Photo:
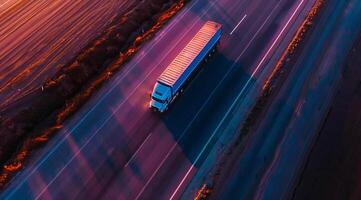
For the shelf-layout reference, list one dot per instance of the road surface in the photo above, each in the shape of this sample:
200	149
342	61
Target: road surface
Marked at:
114	148
272	161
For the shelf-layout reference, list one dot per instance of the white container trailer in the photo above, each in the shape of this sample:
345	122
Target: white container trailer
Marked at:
171	82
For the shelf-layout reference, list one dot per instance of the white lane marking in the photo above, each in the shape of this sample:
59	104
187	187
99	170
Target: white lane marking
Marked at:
156	171
240	94
80	149
260	64
175	144
183	133
240	22
136	152
230	69
121	77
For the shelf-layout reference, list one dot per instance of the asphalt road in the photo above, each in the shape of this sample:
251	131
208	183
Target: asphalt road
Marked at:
114	148
38	37
333	166
271	163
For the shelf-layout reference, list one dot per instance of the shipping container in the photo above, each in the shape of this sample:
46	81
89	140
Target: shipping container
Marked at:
171	82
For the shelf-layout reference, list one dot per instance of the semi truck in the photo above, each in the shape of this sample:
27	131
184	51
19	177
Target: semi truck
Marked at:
180	71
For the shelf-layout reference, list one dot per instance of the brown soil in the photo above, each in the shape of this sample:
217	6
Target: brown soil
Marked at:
225	166
73	85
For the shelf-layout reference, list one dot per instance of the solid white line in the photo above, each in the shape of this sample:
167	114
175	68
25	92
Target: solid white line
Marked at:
136	152
234	102
230	69
240	22
183	133
156	171
213	92
122	76
77	153
175	144
110	116
260	64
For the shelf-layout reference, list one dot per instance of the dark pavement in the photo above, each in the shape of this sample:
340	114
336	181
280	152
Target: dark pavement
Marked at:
333	167
275	153
114	148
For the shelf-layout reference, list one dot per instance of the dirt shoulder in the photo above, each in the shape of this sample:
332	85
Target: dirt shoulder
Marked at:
227	166
30	122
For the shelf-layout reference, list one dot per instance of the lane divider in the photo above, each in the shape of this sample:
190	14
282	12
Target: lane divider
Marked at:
102	98
237	98
240	22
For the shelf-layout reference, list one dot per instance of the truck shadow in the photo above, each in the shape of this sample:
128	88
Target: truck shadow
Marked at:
196	113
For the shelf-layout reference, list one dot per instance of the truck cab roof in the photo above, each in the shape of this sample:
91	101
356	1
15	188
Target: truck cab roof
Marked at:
160	92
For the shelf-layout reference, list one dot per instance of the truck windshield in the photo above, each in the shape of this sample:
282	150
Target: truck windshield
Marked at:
159	100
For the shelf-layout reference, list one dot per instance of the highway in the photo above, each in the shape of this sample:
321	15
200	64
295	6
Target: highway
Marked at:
114	148
271	163
38	37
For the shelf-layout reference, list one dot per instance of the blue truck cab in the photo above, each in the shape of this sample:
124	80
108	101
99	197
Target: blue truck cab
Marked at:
171	82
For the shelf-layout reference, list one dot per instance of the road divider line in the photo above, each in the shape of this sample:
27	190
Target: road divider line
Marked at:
260	63
230	69
102	98
239	95
240	22
213	92
175	144
130	160
156	171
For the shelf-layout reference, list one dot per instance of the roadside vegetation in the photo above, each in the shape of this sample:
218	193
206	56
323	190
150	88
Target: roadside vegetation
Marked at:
29	123
273	82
